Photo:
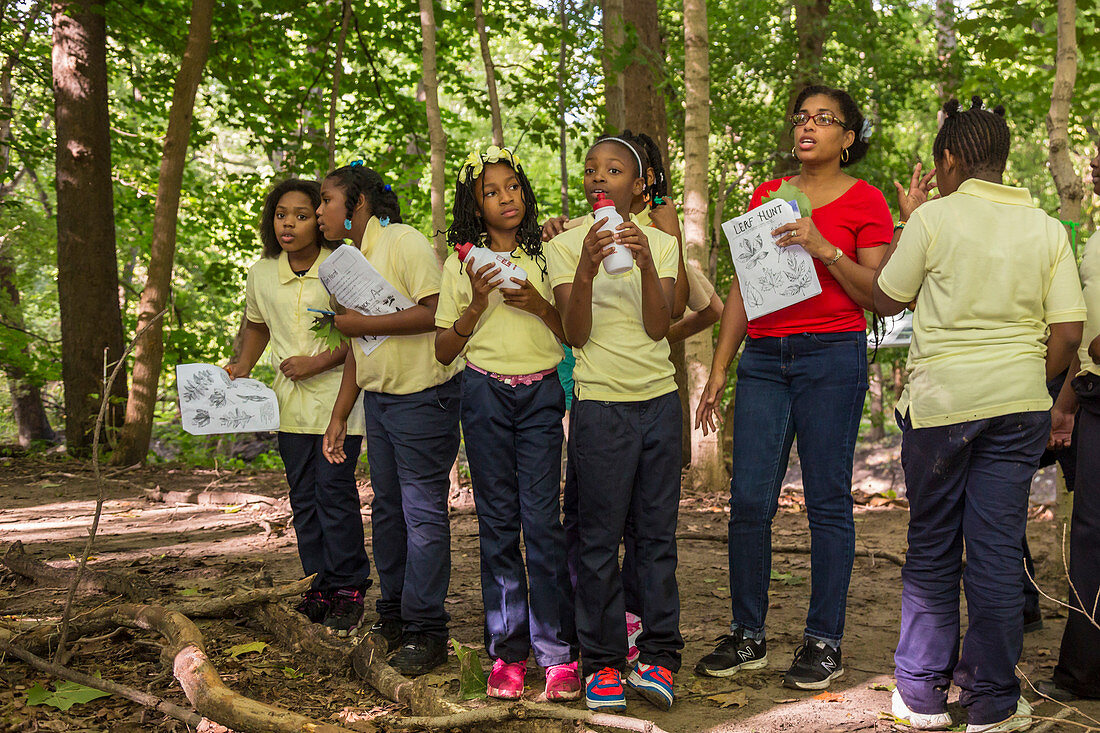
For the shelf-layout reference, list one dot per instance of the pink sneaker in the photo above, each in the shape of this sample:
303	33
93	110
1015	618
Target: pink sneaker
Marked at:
506	679
633	631
562	682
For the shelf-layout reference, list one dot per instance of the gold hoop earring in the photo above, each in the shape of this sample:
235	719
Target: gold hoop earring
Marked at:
844	155
794	151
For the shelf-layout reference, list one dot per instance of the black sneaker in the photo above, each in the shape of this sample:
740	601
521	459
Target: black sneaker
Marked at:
733	653
815	665
1033	620
314	606
390	629
419	653
346	612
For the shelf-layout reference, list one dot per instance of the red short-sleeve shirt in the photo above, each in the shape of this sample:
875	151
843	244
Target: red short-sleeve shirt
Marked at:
858	218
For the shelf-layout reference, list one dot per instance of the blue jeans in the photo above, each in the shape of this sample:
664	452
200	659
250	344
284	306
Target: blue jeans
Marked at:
513	443
811	385
966	483
412	441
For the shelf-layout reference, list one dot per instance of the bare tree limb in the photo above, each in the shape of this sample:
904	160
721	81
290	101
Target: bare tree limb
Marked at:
524	710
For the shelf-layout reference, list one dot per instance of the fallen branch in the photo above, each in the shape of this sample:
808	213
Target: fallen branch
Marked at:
368	659
792	549
233	604
314	641
210	498
17	560
524	710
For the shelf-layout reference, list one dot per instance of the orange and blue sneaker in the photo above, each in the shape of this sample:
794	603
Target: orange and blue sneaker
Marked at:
604	691
652	682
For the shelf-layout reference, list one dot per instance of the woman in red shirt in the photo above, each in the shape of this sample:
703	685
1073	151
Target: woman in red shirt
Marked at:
803	373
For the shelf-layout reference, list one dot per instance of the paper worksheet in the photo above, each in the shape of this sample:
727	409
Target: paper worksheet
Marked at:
350	278
211	402
771	277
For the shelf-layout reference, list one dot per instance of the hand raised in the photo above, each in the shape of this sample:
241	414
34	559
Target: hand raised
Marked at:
920	186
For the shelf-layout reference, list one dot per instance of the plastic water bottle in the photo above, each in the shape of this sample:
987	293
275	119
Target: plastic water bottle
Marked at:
481	256
620	260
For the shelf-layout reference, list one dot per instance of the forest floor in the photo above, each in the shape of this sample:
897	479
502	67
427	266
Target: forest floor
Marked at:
189	549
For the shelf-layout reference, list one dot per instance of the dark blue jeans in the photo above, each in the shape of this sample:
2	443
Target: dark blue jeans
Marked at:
967	483
412	441
627	461
513	443
811	385
327	521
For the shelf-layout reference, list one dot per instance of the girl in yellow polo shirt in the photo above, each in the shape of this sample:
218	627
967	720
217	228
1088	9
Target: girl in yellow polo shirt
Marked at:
281	289
411	406
512	408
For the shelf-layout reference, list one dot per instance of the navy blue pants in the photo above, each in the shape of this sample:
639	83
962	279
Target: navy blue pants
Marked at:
967	483
627	461
513	443
412	441
811	385
325	503
1078	667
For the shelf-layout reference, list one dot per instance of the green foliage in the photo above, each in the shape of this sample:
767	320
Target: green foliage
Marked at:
471	676
324	327
64	695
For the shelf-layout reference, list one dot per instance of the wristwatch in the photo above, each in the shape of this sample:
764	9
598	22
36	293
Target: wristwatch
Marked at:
836	257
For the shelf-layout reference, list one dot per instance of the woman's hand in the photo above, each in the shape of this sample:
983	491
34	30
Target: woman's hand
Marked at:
235	370
596	246
804	232
525	297
297	368
483	281
554	226
919	189
708	414
332	445
630	236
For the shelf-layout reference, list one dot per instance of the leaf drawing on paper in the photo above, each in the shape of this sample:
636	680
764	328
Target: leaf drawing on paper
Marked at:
192	390
771	280
251	397
799	274
235	419
752	251
217	398
753	296
202	418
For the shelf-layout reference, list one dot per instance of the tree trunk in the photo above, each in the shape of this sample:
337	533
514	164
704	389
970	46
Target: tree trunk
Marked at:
563	76
337	72
878	415
811	27
28	411
614	35
707	470
1071	190
436	137
490	74
645	105
149	350
947	42
87	268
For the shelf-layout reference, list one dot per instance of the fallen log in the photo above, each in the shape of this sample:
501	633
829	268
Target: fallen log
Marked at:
524	710
210	498
234	604
793	549
294	632
16	560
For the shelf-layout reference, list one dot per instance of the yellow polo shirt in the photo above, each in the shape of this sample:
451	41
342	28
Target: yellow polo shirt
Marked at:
278	298
1090	279
699	287
989	271
620	362
506	340
402	364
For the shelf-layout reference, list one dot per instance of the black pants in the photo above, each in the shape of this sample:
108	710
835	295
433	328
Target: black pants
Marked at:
1078	667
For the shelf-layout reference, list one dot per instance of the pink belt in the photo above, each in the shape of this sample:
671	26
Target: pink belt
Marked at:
513	380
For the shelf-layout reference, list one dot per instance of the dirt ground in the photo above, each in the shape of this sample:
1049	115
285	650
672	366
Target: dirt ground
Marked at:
189	549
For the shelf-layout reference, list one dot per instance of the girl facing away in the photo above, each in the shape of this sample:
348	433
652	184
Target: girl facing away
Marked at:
512	408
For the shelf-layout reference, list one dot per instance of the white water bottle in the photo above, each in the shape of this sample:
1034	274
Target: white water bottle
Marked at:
481	256
620	260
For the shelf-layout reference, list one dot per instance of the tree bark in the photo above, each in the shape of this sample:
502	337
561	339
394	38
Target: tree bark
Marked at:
337	72
490	74
87	268
947	42
614	36
707	469
878	416
811	27
437	139
149	351
1071	190
644	108
563	76
31	421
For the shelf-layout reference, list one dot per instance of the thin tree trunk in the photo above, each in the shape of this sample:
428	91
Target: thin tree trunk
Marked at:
490	74
706	452
878	415
947	42
149	351
614	35
337	72
811	26
644	108
436	137
1071	190
87	268
563	152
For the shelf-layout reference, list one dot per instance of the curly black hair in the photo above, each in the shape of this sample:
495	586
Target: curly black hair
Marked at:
356	179
849	111
977	137
468	226
268	237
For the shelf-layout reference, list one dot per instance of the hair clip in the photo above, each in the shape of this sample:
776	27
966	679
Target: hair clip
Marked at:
347	224
355	163
385	221
387	188
866	132
658	201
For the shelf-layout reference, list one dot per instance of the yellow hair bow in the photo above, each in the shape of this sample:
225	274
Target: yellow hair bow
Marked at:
475	162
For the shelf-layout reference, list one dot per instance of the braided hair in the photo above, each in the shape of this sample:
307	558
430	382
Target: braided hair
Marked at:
849	110
270	240
357	179
468	226
978	138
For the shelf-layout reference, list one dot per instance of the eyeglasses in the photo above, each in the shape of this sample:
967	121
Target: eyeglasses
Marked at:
823	119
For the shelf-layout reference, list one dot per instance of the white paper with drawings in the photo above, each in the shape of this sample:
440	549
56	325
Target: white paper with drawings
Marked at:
350	278
211	402
771	277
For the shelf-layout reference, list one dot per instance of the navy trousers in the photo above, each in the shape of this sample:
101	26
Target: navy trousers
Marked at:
513	443
967	483
627	461
412	441
325	503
